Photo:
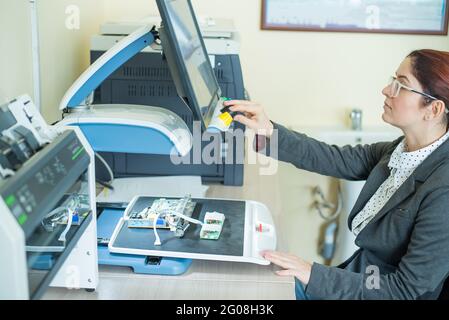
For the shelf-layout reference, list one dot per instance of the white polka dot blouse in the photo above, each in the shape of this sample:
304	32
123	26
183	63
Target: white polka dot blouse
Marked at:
401	165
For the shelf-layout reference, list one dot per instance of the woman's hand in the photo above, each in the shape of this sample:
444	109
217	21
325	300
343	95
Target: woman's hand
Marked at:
292	265
253	116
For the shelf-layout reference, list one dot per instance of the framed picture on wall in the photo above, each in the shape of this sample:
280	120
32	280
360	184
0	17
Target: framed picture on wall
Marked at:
371	16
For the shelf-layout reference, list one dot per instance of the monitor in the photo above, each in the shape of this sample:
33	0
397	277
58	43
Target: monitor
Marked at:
188	60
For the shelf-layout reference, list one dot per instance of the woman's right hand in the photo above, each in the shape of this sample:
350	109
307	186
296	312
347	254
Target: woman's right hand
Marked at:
252	115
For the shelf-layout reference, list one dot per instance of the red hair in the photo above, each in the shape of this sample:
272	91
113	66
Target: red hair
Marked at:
431	69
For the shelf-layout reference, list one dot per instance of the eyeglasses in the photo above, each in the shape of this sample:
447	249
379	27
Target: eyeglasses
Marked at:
396	86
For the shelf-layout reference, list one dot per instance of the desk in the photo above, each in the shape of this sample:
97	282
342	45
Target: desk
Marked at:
286	194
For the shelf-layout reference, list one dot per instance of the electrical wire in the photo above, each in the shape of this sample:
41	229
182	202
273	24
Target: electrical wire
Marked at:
72	206
108	168
157	241
105	184
62	237
324	204
49	225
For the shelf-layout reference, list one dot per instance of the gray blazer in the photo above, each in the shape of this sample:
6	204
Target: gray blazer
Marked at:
407	241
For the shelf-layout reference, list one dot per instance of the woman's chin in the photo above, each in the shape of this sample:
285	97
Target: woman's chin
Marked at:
387	119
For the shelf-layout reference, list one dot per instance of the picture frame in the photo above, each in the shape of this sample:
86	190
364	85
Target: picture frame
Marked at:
420	17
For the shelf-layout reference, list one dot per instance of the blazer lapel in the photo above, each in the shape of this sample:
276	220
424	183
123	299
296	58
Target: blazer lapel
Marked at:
375	180
404	191
422	172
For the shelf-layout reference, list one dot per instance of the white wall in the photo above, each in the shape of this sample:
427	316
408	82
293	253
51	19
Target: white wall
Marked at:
15	54
64	51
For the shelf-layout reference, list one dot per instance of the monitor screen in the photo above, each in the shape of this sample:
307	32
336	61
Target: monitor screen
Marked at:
187	57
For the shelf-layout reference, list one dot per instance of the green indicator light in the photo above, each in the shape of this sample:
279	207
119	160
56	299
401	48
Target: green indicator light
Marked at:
10	201
22	218
77	153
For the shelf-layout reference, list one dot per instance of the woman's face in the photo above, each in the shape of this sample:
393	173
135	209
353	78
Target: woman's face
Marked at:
405	110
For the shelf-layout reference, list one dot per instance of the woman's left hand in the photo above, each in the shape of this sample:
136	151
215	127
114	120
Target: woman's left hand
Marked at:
292	265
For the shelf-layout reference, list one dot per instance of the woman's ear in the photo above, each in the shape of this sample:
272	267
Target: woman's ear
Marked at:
436	110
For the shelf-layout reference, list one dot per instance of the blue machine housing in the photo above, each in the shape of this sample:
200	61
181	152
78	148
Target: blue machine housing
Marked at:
111	137
140	264
109	67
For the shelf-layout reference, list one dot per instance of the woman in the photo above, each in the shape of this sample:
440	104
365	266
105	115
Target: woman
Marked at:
401	218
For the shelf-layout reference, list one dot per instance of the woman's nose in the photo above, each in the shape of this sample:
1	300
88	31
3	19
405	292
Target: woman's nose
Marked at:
386	91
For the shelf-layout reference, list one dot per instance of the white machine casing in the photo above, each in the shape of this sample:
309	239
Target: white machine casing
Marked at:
80	269
220	36
27	115
159	119
14	271
162	120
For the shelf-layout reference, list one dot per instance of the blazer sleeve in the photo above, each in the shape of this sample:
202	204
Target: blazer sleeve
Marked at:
348	162
421	270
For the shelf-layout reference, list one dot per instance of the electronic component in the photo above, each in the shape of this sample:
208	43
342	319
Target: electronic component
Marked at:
210	231
75	209
164	214
213	224
214	218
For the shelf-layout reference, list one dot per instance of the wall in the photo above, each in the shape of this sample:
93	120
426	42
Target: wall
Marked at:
15	55
319	77
64	51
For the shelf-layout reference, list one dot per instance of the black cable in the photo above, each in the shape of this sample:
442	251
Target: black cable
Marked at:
105	184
